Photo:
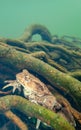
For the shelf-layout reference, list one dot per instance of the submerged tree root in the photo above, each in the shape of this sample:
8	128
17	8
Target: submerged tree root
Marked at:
63	101
16	120
36	29
61	80
33	110
67	57
56	60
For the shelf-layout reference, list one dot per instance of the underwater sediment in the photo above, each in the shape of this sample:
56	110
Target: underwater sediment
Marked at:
56	61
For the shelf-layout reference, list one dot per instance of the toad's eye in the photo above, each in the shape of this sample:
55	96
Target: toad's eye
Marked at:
27	78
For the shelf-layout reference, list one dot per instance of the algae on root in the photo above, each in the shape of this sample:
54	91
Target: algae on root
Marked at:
21	60
31	109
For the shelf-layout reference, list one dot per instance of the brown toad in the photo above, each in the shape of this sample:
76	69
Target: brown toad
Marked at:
37	92
33	89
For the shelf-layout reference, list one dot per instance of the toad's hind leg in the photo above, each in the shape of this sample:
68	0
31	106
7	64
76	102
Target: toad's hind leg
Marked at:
38	124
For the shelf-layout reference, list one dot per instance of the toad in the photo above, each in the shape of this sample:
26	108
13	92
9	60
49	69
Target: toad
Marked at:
36	91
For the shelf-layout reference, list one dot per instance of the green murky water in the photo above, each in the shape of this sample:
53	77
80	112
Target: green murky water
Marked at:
62	17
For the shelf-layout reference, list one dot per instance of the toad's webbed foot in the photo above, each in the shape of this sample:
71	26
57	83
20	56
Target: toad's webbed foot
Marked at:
14	84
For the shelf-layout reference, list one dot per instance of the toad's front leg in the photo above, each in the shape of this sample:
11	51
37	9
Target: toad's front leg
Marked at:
14	84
